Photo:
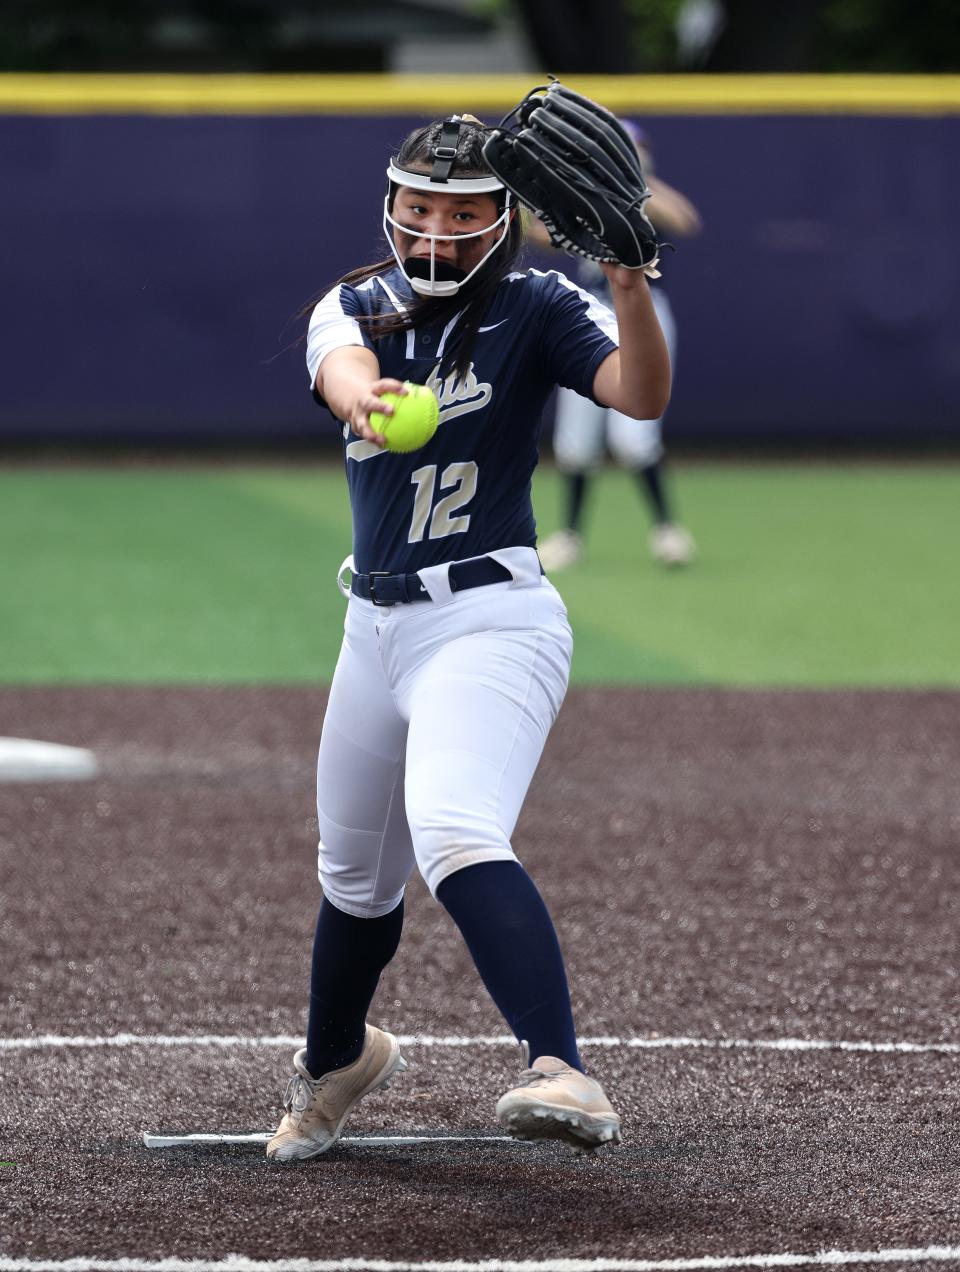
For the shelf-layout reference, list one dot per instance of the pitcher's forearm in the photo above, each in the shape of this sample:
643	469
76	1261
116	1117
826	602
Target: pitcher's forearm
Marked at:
350	383
345	376
635	379
644	357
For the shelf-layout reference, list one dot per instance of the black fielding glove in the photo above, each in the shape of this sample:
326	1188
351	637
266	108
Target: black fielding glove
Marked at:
572	163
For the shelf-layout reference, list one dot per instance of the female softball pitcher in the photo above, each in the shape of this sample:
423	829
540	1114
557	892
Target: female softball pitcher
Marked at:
456	650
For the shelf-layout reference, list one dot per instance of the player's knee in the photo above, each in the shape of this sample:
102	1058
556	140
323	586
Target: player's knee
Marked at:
458	856
576	465
638	453
646	460
443	845
354	890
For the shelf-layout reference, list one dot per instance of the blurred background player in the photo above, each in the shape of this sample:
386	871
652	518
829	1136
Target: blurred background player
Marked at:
584	431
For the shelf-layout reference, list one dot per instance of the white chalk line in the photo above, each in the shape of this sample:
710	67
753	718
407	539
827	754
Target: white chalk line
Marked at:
38	1042
237	1263
152	1140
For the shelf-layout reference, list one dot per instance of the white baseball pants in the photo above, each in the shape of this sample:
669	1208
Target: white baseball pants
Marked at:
583	430
438	714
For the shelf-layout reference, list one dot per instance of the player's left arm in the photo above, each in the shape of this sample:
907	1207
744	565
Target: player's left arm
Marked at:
634	379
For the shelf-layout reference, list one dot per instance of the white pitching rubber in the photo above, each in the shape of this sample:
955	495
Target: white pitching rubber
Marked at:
22	760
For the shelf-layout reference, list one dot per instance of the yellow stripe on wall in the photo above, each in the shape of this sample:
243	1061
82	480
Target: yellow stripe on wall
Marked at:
493	94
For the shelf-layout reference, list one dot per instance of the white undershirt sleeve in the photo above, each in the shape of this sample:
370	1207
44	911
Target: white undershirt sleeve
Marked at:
330	328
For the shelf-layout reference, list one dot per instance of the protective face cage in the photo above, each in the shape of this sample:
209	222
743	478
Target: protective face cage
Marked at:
429	276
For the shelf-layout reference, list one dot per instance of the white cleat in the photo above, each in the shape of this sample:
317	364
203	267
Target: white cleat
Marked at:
557	1102
560	550
318	1107
672	545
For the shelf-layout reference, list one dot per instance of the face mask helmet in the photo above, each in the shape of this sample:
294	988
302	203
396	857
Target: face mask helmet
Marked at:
427	275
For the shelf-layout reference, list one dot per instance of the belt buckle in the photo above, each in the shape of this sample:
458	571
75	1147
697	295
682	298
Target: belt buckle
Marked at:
379	574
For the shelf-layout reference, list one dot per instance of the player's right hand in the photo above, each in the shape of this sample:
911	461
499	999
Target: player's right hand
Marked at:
367	403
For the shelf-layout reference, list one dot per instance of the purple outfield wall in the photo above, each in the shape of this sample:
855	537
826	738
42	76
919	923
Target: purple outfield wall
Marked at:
150	265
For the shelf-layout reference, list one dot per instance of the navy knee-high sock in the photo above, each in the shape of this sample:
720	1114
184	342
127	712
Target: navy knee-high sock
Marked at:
509	933
650	480
576	495
348	956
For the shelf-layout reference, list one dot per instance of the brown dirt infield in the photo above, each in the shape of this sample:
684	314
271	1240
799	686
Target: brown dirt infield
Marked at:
720	865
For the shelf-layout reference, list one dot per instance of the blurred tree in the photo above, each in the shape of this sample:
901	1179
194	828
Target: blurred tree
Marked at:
760	36
655	43
889	35
218	35
572	37
753	35
613	36
838	35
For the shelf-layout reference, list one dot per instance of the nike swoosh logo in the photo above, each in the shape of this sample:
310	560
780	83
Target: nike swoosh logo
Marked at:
494	327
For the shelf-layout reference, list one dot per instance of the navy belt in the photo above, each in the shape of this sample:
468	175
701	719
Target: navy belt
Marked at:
392	589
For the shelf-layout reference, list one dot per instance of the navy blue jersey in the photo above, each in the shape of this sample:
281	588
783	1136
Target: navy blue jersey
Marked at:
467	491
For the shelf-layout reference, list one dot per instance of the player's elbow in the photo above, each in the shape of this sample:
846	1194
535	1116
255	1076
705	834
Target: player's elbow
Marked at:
636	389
649	404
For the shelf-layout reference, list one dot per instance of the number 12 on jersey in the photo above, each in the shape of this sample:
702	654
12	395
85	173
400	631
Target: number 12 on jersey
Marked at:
461	480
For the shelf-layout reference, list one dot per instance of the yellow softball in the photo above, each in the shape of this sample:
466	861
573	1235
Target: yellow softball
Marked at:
414	419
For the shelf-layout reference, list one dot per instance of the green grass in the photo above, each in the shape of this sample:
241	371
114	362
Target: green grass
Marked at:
807	575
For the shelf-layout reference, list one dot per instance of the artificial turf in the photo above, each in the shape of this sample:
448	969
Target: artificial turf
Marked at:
807	574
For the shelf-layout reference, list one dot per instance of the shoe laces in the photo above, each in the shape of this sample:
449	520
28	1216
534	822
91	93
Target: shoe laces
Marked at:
300	1091
536	1077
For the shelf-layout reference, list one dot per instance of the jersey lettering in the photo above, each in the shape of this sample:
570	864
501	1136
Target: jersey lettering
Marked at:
459	397
455	398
